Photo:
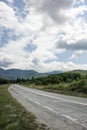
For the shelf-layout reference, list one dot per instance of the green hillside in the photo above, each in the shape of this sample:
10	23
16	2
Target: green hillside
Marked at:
82	72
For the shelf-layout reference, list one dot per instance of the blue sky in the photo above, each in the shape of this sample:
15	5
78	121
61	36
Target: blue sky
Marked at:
43	35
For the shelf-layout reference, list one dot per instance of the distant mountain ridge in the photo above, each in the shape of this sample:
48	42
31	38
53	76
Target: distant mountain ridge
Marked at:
13	74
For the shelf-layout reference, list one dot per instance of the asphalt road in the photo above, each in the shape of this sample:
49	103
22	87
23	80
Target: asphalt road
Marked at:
58	111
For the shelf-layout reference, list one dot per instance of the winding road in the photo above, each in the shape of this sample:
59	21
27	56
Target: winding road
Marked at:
59	112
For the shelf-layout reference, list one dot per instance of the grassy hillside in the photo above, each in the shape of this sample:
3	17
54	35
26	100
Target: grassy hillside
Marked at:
13	116
71	83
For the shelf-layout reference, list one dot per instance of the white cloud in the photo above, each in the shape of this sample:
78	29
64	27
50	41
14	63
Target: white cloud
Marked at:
82	1
11	1
4	62
28	26
42	27
7	16
79	55
52	9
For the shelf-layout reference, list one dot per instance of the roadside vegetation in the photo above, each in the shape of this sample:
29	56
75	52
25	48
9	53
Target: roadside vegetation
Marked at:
70	83
13	116
3	81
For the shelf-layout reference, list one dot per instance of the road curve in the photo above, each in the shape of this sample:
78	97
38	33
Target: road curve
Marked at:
58	111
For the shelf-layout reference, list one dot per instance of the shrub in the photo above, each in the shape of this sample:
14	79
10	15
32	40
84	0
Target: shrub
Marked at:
80	86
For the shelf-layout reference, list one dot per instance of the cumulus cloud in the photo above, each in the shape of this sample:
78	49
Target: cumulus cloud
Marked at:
21	27
5	62
37	33
7	14
79	55
79	45
51	8
10	1
63	66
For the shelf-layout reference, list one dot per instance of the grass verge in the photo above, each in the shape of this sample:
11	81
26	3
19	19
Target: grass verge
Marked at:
13	116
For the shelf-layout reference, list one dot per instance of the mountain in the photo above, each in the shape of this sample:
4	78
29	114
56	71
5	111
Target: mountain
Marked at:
12	74
55	72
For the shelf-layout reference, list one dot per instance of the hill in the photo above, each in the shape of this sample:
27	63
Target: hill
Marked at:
13	74
82	72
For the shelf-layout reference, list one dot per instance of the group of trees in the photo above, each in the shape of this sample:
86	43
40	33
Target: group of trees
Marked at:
3	81
58	78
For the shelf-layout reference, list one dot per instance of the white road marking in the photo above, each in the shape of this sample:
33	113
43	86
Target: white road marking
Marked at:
75	102
37	103
70	118
40	104
48	108
33	101
74	120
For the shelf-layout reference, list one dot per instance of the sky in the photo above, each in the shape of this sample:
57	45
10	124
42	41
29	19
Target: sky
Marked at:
43	35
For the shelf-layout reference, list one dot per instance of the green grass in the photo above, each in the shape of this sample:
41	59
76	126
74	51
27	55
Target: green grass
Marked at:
13	116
